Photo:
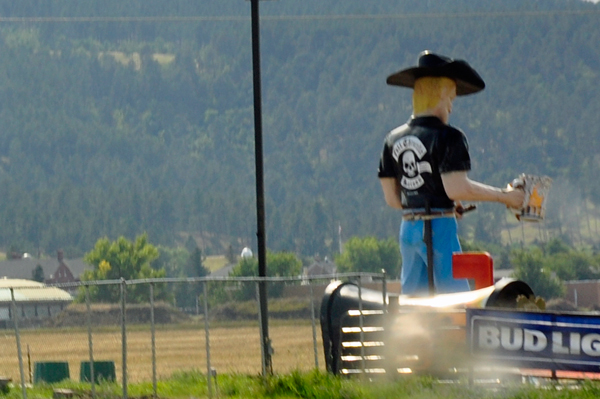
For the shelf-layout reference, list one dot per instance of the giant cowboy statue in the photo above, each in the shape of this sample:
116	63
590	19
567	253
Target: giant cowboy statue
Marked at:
423	172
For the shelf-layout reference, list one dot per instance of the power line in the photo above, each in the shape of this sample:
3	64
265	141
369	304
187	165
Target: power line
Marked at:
125	19
498	14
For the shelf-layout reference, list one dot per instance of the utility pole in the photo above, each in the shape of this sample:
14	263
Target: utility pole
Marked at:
260	192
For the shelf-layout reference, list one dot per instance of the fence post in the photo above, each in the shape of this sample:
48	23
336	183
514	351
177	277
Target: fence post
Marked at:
18	337
262	336
361	321
153	341
124	335
314	328
207	344
90	342
29	371
384	290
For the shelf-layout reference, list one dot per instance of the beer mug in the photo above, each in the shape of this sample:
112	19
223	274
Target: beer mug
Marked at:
536	190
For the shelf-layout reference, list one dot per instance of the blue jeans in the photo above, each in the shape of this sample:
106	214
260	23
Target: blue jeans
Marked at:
414	257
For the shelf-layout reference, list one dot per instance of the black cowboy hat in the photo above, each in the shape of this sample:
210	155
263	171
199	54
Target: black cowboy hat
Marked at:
467	79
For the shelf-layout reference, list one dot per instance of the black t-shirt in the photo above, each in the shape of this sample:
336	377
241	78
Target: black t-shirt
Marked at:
417	153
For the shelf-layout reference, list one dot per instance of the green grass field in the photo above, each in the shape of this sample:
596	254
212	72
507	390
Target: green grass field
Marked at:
318	385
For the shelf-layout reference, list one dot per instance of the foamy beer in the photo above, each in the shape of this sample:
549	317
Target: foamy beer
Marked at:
536	192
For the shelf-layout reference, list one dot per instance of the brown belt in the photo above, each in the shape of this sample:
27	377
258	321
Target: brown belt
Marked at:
412	216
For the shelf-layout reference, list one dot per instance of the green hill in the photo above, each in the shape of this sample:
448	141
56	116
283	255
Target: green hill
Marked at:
122	117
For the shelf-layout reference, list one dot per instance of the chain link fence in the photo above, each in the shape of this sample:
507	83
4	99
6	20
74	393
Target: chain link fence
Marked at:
214	327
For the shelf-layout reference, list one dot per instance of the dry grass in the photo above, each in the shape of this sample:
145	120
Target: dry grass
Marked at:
215	262
163	59
233	349
125	59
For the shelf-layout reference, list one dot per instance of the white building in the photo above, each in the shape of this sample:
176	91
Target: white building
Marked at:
33	300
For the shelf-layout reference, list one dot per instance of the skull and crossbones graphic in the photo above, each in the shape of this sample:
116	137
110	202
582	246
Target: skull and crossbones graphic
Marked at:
408	151
409	164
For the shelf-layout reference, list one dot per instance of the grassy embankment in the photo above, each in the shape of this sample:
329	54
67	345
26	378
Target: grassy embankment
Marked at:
319	385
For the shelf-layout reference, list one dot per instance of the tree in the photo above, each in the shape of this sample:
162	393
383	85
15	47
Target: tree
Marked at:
195	265
230	255
187	294
173	260
556	246
190	244
183	262
127	260
279	264
37	274
369	254
574	265
529	267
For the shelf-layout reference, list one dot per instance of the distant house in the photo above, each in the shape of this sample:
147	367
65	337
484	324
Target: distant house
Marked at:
56	270
62	274
583	293
320	268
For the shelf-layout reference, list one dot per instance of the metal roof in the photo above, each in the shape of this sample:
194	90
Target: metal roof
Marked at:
23	268
31	291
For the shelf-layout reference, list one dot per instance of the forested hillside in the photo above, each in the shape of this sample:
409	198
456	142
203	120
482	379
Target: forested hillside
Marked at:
119	117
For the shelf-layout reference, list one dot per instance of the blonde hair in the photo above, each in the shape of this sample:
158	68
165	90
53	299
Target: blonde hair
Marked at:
428	92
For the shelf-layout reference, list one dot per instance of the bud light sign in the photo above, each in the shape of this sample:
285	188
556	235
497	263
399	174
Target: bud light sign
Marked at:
553	341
